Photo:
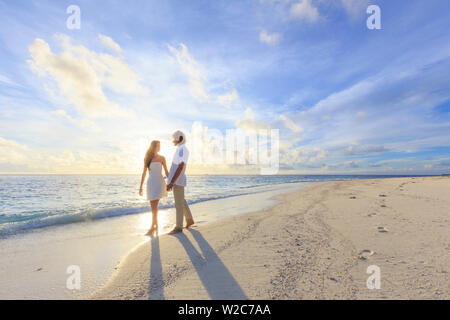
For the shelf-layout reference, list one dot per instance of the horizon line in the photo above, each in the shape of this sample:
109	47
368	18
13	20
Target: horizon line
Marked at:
238	174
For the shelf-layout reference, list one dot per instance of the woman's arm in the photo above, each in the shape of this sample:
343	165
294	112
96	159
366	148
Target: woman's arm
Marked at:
144	173
165	167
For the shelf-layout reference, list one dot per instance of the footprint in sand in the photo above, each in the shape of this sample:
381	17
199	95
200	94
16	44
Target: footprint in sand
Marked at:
382	195
383	229
383	206
353	197
372	214
365	254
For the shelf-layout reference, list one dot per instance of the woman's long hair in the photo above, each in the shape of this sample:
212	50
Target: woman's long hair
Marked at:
150	153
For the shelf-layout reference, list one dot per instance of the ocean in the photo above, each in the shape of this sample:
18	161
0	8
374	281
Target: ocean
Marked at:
35	201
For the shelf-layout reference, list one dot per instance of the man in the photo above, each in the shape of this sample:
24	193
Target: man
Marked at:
177	182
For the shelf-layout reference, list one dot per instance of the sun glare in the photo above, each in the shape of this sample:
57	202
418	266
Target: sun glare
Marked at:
145	221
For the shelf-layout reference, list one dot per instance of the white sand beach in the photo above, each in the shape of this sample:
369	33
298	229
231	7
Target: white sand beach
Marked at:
308	246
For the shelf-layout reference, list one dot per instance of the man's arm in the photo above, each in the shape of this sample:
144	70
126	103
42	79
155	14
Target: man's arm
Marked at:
176	175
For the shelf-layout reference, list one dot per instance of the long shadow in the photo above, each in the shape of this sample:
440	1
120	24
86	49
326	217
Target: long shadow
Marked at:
156	284
215	277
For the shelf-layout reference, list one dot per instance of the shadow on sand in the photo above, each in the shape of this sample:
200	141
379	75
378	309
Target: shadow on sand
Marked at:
215	277
156	285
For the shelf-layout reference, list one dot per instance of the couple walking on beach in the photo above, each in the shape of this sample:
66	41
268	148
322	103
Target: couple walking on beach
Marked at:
156	186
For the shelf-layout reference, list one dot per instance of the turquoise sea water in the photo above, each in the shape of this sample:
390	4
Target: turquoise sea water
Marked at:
34	201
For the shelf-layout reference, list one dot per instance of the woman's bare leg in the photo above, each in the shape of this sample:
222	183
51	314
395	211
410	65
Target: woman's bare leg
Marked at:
154	205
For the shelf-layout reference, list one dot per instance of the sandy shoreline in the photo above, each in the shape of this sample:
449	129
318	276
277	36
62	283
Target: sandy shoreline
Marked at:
306	247
39	258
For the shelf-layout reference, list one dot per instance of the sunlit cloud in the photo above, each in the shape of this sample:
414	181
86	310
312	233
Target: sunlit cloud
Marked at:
250	123
12	152
83	123
21	158
109	43
269	38
291	124
198	80
304	10
81	75
355	8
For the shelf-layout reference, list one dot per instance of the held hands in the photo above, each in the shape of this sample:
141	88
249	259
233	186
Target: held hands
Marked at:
169	186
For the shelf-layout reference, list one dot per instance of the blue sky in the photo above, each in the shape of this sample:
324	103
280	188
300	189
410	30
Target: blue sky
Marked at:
346	99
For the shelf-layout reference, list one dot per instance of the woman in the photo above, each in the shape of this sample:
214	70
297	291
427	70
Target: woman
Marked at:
156	186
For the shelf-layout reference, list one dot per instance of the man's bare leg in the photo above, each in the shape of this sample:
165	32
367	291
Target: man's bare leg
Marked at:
175	230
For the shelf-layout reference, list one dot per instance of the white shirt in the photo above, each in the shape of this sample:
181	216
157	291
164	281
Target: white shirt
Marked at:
181	155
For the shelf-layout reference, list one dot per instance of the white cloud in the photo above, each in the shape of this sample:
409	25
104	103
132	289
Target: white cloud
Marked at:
198	81
110	43
12	152
8	81
290	124
356	149
318	155
304	156
81	74
304	10
20	158
250	122
389	114
269	38
228	99
355	7
196	75
83	123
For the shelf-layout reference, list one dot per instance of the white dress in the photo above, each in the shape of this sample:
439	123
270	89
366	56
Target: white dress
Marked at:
156	186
